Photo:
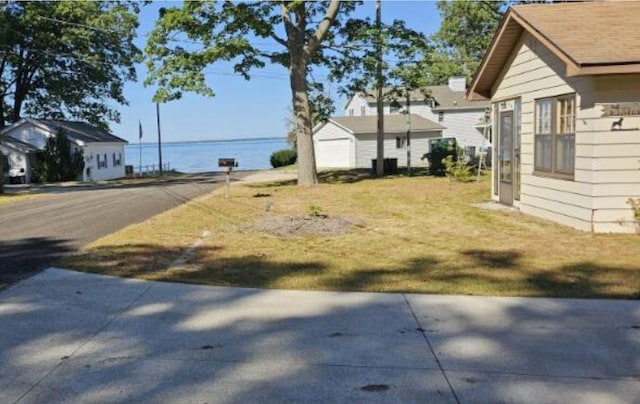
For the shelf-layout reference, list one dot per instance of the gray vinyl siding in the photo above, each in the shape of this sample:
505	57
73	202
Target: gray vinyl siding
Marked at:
366	149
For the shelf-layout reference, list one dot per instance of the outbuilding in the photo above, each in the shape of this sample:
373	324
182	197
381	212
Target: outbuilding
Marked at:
351	141
564	83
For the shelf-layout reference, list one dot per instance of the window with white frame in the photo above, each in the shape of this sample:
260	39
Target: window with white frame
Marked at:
555	134
363	110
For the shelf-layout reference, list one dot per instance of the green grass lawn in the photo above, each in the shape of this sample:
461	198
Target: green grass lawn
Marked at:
417	234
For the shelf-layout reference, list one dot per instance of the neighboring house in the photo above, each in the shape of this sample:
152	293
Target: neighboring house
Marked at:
444	104
103	152
350	142
565	93
16	160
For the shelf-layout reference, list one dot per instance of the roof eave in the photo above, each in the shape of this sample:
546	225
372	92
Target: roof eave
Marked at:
477	92
599	69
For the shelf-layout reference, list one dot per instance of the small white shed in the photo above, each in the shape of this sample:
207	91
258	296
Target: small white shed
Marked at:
351	141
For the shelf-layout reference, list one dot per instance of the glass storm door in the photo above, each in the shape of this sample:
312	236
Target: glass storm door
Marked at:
506	157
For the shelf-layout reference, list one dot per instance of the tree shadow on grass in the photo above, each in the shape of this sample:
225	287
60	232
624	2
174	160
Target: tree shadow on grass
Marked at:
201	265
494	258
481	272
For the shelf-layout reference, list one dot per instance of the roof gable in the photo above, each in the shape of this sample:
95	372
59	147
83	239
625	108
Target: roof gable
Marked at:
17	144
590	38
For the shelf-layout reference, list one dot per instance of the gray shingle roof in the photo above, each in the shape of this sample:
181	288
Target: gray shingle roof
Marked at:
80	131
361	125
445	98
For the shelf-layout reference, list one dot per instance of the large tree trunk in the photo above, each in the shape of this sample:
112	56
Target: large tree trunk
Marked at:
307	174
300	54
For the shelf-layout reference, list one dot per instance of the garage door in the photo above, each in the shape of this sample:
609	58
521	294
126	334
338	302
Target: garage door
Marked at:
333	153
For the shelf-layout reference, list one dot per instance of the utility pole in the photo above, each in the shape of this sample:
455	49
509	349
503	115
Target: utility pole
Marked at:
408	111
159	137
379	84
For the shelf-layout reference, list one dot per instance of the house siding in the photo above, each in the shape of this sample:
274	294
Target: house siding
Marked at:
356	103
606	162
366	147
91	152
30	134
461	125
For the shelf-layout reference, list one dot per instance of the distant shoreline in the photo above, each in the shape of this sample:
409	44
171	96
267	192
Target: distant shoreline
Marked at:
249	139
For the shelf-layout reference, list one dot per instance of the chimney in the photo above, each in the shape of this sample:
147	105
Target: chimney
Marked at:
458	83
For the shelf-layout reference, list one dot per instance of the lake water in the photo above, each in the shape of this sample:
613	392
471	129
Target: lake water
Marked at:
202	156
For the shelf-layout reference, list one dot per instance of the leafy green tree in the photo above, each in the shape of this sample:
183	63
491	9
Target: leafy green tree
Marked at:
66	60
466	30
307	34
57	162
401	70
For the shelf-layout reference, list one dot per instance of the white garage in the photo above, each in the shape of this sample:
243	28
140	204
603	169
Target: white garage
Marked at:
335	153
350	141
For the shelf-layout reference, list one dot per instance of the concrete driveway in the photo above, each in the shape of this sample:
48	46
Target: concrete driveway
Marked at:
74	337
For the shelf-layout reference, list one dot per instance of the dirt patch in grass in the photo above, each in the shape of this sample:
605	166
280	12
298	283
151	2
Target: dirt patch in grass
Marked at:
303	225
418	234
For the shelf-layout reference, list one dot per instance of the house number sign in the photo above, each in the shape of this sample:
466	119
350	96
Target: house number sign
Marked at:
621	109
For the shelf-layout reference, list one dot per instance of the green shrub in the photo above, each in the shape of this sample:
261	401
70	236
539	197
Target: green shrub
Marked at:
458	169
57	162
440	150
284	157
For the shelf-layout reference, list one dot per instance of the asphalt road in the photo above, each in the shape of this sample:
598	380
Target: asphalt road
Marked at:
34	233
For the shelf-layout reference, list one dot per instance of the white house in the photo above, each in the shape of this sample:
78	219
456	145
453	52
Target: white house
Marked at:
350	141
444	104
103	152
564	84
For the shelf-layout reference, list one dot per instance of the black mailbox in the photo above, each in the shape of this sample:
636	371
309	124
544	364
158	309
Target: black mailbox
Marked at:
227	163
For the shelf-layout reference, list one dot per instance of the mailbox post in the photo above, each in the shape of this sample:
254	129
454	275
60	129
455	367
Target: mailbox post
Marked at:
228	165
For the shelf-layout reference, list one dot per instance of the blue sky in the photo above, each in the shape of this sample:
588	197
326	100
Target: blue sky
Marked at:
240	109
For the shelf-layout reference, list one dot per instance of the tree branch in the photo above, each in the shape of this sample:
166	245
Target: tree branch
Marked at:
288	24
278	39
323	28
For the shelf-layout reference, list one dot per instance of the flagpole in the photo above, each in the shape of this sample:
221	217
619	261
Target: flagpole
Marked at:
140	147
